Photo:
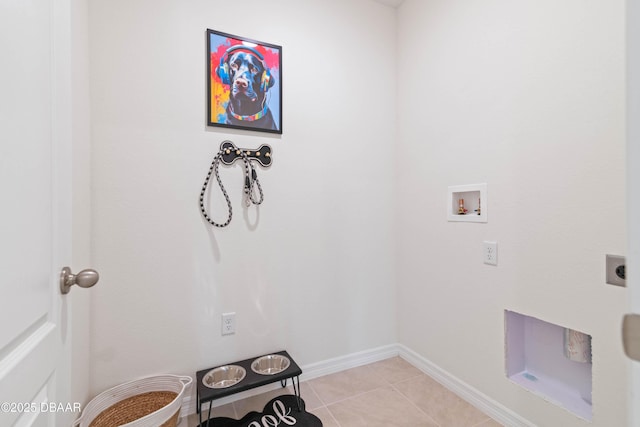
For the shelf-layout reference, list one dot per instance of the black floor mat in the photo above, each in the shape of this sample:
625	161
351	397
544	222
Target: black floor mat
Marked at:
281	411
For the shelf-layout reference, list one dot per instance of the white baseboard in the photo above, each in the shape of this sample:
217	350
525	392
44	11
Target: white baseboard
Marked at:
330	366
481	401
353	360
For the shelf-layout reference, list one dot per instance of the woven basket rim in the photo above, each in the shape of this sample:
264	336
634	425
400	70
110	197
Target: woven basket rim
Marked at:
170	383
130	409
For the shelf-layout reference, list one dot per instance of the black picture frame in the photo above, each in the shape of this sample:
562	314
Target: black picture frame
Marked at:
244	83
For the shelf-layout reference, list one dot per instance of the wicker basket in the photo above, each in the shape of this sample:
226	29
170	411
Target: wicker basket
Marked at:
147	402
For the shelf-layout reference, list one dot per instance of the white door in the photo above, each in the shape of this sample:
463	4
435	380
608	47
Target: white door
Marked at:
35	212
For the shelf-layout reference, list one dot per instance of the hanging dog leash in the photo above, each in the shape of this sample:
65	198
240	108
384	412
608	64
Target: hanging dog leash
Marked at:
228	154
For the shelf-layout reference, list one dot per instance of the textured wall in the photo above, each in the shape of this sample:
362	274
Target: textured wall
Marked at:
311	270
529	98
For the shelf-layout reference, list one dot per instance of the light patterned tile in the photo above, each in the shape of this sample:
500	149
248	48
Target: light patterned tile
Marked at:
257	402
325	416
383	407
187	421
444	406
224	411
394	370
362	397
489	423
335	387
311	399
220	411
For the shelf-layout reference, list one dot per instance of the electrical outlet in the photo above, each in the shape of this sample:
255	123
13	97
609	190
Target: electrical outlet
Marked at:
615	270
228	323
490	252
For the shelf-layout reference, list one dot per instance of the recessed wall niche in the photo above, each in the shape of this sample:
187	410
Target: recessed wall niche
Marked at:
551	361
467	203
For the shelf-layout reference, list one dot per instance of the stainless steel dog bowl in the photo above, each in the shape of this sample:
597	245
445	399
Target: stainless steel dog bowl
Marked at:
224	376
270	364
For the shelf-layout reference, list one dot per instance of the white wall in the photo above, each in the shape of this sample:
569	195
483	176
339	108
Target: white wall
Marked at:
529	98
312	272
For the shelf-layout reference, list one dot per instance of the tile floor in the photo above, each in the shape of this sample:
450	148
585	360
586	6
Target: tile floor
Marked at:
390	393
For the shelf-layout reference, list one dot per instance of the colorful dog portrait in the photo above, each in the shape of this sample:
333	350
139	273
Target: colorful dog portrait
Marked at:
245	83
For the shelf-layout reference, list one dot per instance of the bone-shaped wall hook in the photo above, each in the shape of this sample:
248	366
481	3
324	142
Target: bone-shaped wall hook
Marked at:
231	153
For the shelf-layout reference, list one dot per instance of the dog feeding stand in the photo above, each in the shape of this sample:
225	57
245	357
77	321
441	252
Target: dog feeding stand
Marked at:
251	379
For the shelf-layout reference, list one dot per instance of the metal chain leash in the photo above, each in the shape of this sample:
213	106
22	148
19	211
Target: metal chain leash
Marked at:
251	178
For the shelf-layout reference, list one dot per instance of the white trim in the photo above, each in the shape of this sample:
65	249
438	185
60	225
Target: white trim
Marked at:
342	363
337	364
633	189
481	401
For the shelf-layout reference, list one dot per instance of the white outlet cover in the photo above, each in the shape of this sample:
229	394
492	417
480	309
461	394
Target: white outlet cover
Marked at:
228	323
490	252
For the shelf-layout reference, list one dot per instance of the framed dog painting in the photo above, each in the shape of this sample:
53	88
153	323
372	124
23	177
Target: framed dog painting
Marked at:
245	83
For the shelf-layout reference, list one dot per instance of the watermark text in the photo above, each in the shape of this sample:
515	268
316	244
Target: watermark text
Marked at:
24	407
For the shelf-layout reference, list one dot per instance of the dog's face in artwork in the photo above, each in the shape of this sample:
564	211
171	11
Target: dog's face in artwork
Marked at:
245	71
249	81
